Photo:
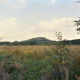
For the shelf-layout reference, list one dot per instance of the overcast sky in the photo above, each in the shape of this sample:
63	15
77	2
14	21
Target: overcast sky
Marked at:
25	19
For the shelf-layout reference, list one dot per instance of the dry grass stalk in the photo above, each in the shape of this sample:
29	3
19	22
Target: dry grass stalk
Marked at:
77	77
67	72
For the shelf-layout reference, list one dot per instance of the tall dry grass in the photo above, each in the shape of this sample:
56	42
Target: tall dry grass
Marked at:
75	49
32	60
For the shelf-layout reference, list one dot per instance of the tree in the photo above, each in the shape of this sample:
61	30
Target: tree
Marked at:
77	23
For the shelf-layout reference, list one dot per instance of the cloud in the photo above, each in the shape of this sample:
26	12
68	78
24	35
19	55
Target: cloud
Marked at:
57	23
42	29
53	1
19	4
4	1
63	25
8	25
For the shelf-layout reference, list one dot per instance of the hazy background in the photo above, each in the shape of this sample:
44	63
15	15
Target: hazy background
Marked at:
24	19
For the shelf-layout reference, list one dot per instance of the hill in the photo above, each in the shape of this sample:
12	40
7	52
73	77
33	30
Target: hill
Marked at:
36	41
41	41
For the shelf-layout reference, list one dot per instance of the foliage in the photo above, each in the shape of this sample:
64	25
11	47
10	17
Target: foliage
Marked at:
75	67
41	41
40	63
77	23
61	55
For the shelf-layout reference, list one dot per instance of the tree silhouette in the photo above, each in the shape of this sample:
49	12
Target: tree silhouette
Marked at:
77	23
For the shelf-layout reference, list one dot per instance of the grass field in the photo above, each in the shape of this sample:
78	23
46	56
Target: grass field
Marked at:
75	49
35	63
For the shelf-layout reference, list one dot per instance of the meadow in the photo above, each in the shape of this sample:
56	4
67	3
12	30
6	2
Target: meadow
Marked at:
38	48
38	62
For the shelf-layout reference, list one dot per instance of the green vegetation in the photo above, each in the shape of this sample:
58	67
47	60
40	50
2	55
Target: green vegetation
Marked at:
59	62
51	64
77	23
41	41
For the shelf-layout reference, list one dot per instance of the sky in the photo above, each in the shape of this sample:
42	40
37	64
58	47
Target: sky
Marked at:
25	19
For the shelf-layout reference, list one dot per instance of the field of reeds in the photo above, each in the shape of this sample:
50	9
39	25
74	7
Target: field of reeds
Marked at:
40	62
